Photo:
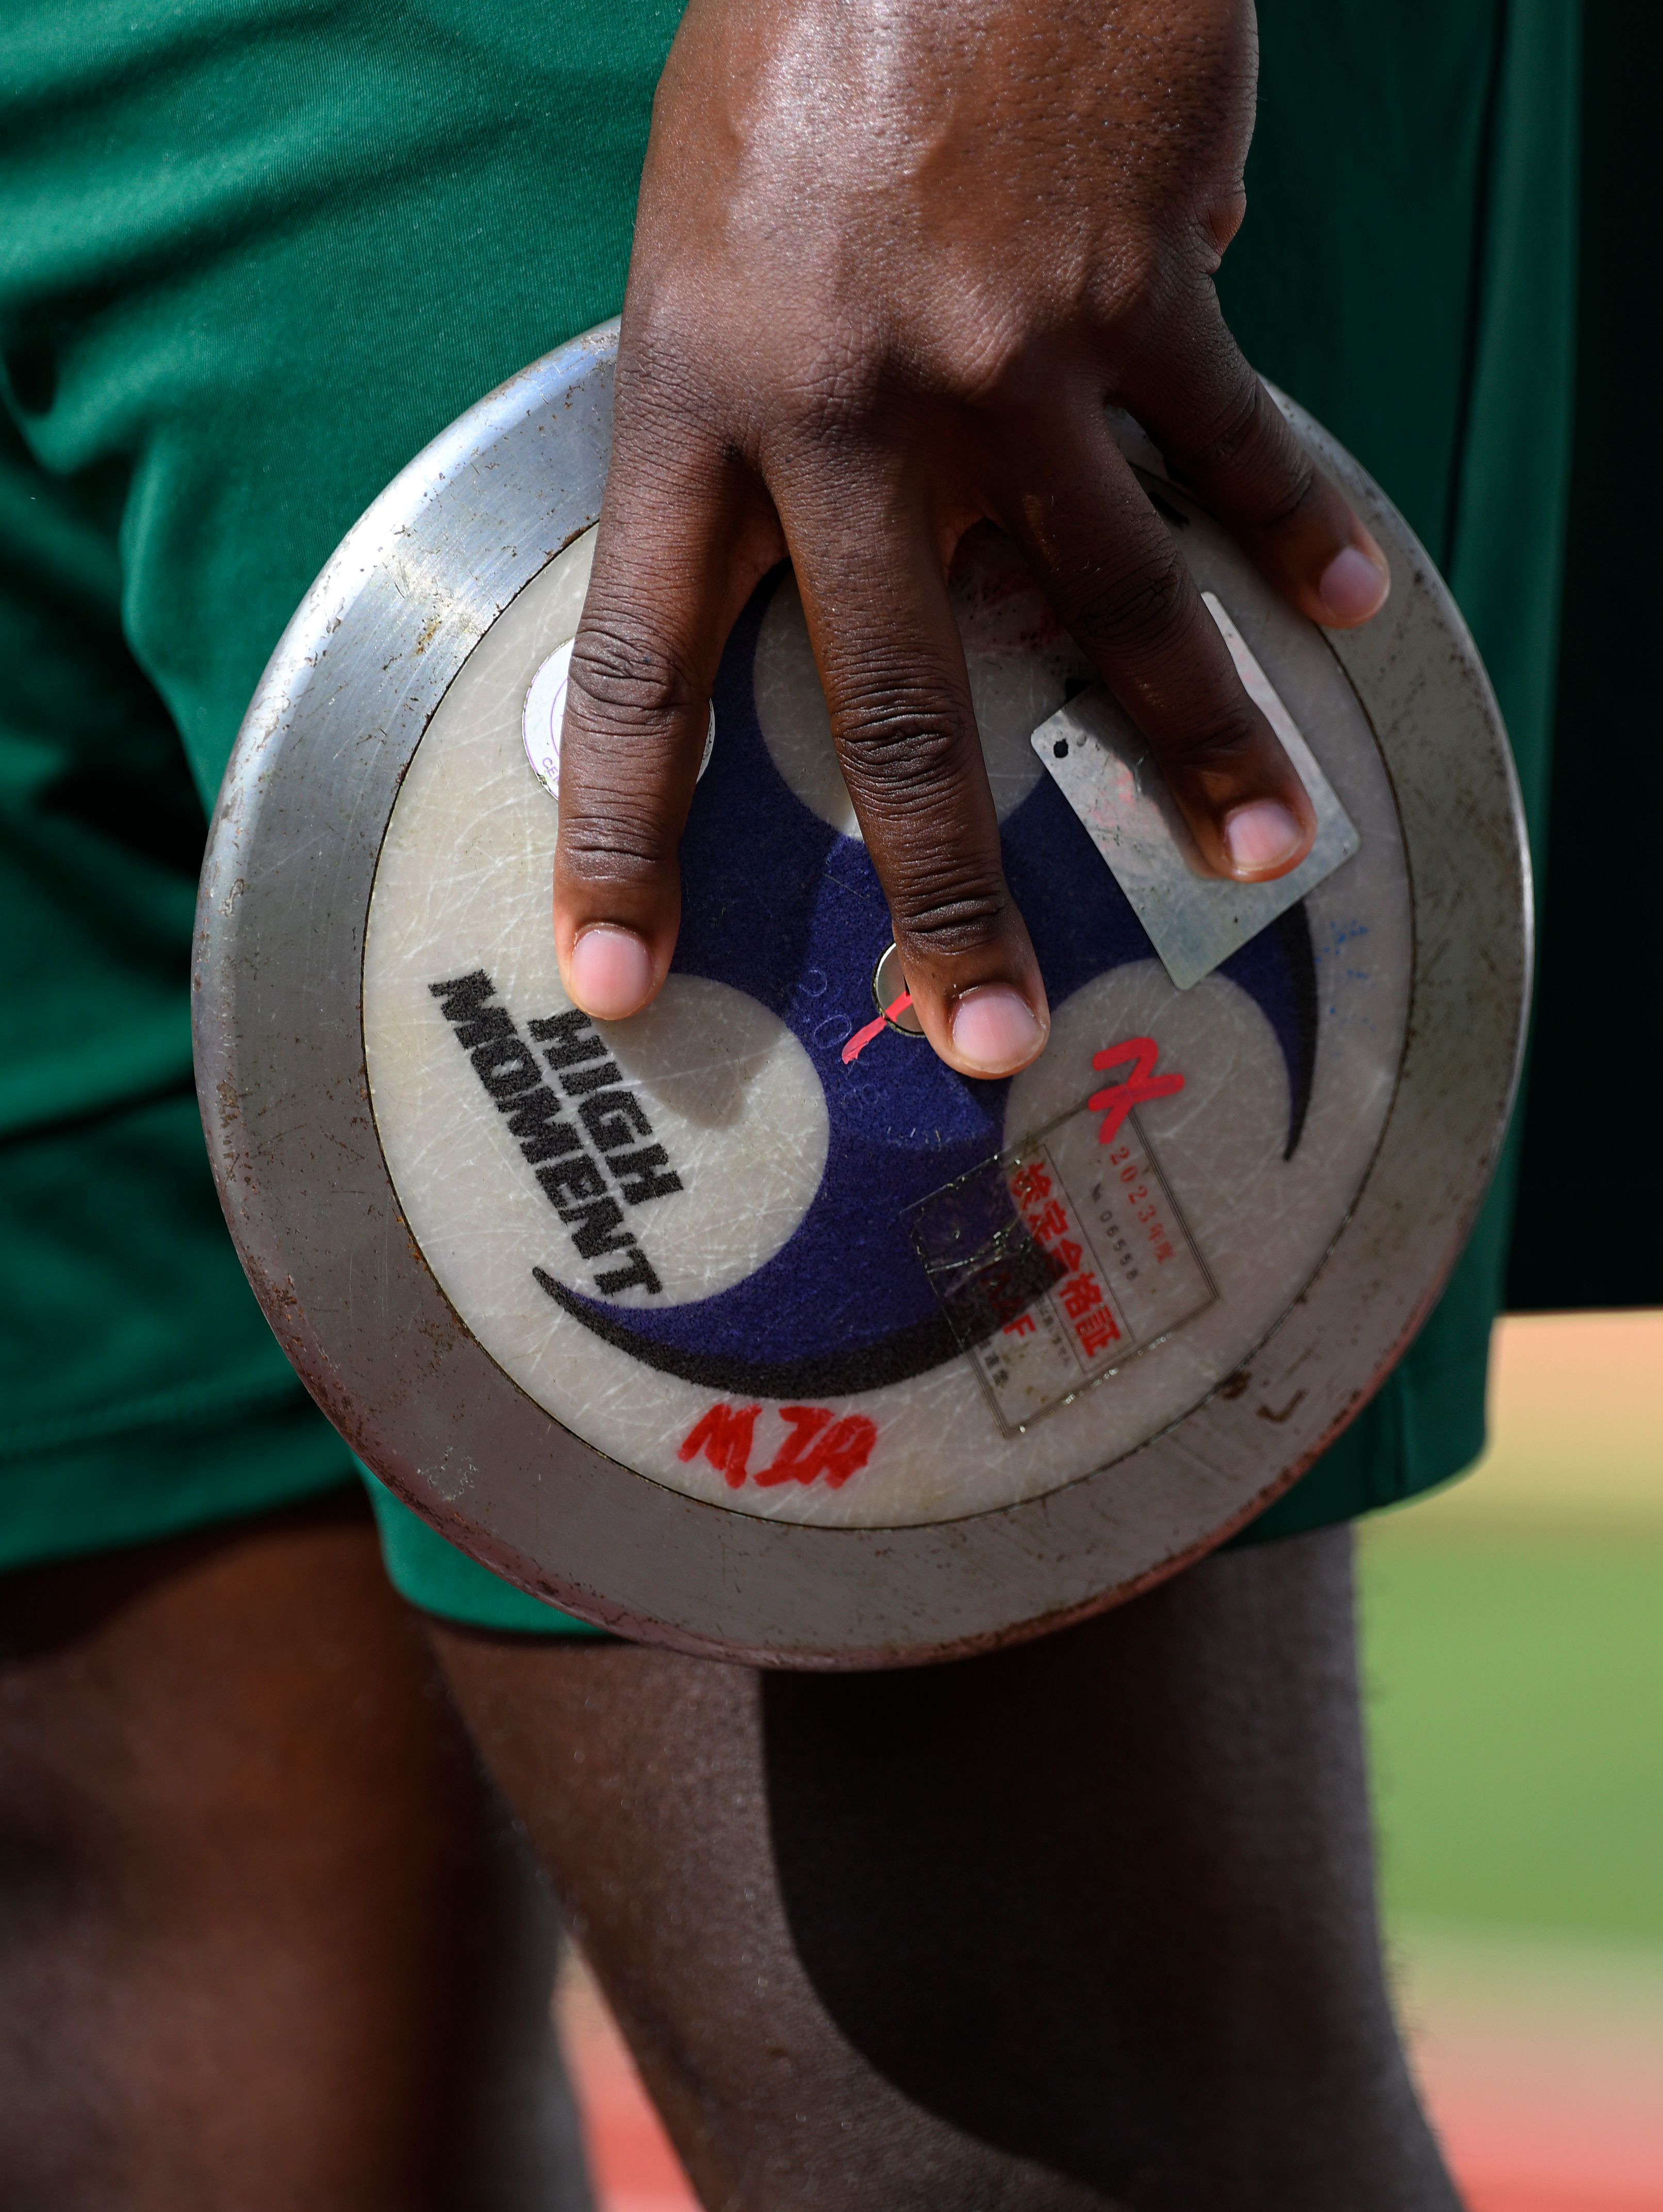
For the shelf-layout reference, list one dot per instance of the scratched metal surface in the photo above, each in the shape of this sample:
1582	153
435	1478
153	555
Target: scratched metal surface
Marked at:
285	890
1101	761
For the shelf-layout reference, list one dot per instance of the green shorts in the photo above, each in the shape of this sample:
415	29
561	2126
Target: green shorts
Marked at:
253	257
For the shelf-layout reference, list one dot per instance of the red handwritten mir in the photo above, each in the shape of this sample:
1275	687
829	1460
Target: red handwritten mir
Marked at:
814	1445
1117	1100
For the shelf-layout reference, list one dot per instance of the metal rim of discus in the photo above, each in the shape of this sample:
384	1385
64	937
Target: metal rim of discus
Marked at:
285	887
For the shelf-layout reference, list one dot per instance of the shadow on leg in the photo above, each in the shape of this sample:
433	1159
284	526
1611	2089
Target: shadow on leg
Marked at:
1088	1923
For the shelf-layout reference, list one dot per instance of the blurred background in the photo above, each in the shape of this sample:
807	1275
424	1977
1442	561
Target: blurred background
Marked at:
1512	1634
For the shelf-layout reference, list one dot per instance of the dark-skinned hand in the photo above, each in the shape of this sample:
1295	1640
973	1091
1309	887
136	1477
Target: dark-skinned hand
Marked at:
893	257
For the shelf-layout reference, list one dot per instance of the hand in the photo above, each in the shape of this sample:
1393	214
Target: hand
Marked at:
892	258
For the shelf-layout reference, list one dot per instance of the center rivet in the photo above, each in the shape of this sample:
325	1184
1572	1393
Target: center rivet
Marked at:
888	984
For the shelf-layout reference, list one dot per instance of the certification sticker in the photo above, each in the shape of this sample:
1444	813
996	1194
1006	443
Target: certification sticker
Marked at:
1059	1259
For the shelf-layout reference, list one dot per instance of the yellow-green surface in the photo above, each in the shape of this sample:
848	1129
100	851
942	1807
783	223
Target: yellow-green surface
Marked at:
1513	1649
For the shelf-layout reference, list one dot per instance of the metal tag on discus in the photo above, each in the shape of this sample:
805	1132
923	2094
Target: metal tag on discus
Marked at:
746	1326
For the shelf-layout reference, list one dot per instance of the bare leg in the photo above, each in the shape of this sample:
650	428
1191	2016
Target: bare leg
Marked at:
1090	1923
268	1941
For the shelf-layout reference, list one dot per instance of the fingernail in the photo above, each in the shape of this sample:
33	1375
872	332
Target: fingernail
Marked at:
1261	835
611	973
1353	587
995	1030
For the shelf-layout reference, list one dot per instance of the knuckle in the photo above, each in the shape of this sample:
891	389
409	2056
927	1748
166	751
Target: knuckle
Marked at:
660	338
906	747
991	353
1141	613
663	351
899	732
824	392
943	913
1139	281
611	845
1225	215
1295	492
838	396
908	754
1247	444
626	680
673	424
1224	743
658	397
1226	434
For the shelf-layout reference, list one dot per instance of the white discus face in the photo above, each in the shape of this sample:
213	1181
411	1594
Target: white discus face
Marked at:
868	1292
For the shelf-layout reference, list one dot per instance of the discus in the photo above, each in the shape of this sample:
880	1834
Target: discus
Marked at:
746	1326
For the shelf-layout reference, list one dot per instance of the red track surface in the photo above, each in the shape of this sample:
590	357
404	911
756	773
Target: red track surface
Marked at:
633	2167
1528	2129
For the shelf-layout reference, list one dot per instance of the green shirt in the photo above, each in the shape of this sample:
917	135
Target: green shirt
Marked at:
253	255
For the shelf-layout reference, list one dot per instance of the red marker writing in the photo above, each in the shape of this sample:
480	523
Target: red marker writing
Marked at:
1118	1100
858	1043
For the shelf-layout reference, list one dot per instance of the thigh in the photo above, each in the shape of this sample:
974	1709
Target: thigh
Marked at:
1087	1922
267	1936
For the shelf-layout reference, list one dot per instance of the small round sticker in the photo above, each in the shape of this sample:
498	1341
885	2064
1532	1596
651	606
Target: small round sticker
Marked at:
545	714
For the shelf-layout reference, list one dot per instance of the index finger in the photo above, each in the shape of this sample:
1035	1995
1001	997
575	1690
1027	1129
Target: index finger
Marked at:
680	549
